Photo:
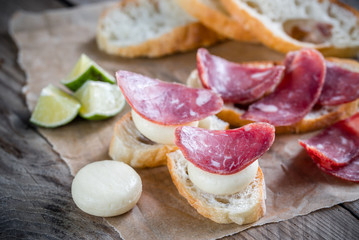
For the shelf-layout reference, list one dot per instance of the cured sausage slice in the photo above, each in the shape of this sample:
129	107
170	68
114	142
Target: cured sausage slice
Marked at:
167	103
340	86
336	149
236	83
224	151
297	92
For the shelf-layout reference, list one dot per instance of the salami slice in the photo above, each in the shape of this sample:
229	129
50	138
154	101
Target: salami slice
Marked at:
236	83
341	85
224	151
167	103
297	92
336	149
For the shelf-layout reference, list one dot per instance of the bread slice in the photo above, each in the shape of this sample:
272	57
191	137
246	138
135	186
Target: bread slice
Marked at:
326	25
315	120
243	207
150	28
213	15
130	146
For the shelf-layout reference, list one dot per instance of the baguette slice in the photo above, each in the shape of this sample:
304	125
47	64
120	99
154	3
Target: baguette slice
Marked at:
327	25
150	28
213	15
244	207
130	146
315	120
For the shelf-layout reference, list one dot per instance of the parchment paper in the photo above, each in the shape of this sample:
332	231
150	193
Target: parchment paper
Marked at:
49	45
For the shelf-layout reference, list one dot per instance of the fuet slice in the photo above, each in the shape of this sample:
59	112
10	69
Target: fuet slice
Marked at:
224	151
54	108
296	94
335	150
86	69
236	83
341	83
167	103
99	100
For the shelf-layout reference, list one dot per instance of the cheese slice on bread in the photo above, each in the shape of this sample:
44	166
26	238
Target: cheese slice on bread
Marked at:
130	146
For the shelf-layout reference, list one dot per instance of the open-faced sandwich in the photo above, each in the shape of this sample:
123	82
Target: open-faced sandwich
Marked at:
217	171
143	136
305	93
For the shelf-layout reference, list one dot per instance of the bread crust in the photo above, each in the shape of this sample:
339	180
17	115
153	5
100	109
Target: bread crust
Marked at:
216	214
180	39
217	20
271	40
130	146
232	114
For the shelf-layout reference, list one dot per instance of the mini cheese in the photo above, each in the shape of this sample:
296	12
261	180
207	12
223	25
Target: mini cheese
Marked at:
106	188
164	134
222	184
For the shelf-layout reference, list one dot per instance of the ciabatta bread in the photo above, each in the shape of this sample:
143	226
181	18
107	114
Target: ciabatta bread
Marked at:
150	28
317	119
213	15
130	146
243	207
326	25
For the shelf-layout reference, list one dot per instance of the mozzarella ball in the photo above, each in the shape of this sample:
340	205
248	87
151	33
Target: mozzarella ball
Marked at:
158	133
106	188
222	184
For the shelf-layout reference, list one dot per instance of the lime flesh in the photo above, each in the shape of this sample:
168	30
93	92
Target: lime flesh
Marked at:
84	70
99	100
54	108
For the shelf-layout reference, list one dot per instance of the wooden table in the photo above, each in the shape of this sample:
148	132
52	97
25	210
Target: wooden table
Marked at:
35	198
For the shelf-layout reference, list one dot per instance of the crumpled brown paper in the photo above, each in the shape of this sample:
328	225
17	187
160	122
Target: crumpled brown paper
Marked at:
49	45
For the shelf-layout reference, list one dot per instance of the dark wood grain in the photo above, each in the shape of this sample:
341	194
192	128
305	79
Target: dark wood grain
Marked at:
35	198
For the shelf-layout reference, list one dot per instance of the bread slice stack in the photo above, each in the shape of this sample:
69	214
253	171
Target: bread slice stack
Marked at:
326	25
213	15
150	28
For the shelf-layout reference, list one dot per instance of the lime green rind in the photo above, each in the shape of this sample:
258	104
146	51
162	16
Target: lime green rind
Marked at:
58	124
93	72
97	117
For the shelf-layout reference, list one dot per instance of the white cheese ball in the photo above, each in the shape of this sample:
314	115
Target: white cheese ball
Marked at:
106	188
222	184
164	134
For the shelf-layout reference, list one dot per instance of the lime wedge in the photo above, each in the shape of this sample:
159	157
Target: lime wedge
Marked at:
54	108
86	69
99	100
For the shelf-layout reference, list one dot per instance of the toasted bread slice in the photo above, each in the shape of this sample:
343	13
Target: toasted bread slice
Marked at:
213	15
134	28
326	25
243	207
130	146
315	120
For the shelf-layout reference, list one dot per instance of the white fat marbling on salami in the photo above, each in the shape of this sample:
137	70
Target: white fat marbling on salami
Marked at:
336	149
236	83
297	92
341	85
224	151
167	103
